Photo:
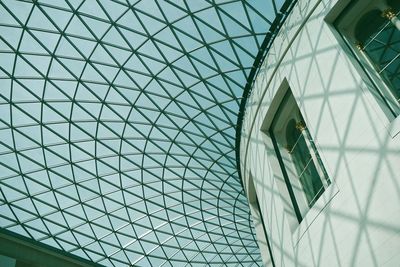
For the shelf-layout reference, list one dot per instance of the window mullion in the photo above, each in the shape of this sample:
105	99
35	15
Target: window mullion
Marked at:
314	154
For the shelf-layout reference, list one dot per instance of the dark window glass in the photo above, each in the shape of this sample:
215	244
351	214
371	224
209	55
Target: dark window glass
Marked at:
300	162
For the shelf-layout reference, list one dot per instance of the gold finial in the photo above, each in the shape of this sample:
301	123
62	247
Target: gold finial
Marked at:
300	126
289	149
388	13
360	46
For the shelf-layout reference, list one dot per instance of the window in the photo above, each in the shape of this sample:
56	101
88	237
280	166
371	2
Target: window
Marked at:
300	163
261	232
372	29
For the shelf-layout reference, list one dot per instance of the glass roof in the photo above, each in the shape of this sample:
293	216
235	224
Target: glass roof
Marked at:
117	127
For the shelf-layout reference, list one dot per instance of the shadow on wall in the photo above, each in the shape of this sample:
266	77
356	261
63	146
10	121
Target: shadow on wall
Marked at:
360	226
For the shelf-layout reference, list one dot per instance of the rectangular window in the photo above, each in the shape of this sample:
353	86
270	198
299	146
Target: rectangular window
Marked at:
301	165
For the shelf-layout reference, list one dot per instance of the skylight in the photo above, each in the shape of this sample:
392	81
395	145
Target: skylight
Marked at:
117	127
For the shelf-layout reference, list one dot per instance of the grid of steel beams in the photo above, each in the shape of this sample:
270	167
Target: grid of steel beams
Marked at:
117	127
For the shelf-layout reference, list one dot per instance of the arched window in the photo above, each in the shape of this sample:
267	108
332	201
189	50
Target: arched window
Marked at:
372	28
301	165
379	41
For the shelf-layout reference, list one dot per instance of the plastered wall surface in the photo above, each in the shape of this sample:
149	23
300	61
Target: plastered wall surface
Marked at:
357	222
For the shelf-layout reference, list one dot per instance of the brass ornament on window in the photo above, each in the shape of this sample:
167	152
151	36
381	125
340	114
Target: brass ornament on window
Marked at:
389	13
359	46
300	125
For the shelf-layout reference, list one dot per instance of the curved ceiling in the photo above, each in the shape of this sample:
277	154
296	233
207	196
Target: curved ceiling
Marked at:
117	127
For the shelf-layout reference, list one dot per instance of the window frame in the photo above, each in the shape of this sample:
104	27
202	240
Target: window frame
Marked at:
372	80
263	237
346	24
287	114
297	228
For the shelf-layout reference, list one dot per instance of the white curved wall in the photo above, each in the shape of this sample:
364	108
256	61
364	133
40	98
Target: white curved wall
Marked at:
360	224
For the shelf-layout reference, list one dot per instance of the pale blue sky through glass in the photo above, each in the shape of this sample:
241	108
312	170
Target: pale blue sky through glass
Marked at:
117	127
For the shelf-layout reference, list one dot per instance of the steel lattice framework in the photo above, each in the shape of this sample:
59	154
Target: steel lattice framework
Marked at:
117	127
